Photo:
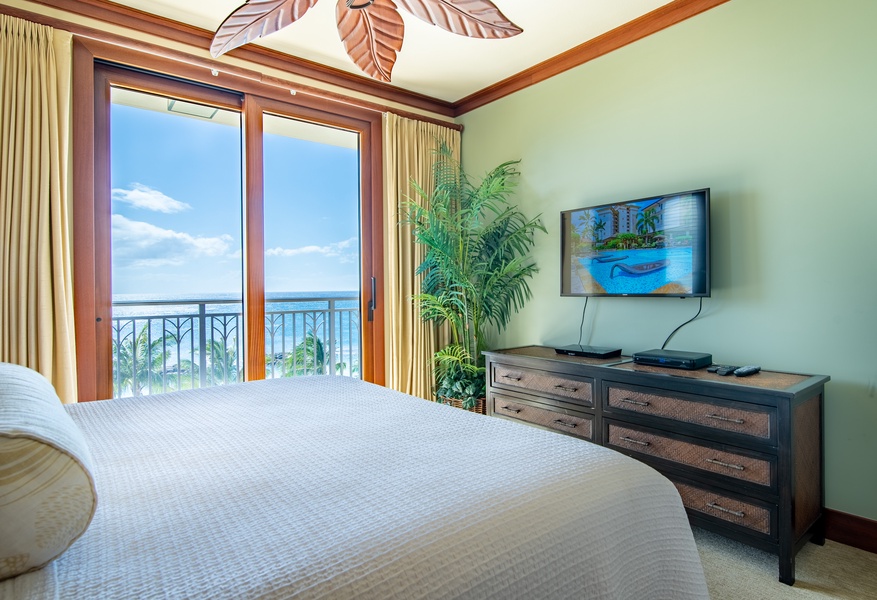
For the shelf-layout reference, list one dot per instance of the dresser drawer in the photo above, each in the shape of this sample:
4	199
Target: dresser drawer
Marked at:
545	383
684	452
731	510
730	416
745	453
577	425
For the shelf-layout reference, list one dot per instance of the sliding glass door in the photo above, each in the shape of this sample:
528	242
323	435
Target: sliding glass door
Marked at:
228	239
312	241
177	276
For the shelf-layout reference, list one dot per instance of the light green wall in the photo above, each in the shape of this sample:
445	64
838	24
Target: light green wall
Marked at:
773	105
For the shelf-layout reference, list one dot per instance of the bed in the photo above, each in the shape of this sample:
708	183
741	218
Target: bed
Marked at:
329	487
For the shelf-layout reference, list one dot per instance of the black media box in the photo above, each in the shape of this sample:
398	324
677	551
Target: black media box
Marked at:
673	358
589	351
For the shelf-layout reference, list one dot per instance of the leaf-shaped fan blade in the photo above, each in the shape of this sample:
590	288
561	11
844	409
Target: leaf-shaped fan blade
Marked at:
255	19
372	36
472	18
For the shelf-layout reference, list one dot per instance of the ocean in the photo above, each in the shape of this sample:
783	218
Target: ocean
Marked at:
130	304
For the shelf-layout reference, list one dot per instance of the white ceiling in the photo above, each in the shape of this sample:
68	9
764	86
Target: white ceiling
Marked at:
433	61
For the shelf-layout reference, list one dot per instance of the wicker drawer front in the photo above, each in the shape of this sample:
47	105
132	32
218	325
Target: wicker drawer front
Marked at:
734	465
542	382
722	507
577	426
727	418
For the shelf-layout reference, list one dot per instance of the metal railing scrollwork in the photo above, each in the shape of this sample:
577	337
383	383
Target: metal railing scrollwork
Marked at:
168	345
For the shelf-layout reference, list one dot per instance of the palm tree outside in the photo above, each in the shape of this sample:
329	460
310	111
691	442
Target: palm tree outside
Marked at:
222	364
141	364
309	358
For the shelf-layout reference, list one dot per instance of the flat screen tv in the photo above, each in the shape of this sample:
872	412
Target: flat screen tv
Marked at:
658	246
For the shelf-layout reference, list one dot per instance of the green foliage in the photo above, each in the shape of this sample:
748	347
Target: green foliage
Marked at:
626	241
309	358
647	224
476	268
599	228
647	221
139	365
222	364
458	376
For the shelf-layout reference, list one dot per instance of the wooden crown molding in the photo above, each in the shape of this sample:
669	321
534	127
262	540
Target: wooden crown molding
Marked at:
644	26
109	12
657	20
125	51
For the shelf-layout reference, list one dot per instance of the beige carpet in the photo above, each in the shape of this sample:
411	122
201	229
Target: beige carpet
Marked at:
735	571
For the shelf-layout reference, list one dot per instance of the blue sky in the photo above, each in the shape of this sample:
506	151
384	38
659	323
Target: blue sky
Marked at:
176	209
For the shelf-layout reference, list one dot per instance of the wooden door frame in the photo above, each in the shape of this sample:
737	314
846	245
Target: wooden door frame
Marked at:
369	127
91	197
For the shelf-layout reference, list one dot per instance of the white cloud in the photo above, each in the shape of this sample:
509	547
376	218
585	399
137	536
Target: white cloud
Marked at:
142	196
140	244
345	249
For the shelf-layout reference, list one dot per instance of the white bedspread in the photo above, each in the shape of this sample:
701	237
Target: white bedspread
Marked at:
328	487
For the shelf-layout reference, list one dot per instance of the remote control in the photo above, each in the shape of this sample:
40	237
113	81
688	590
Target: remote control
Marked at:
747	370
722	369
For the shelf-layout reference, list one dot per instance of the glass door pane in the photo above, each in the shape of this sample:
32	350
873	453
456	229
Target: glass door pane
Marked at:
312	242
176	244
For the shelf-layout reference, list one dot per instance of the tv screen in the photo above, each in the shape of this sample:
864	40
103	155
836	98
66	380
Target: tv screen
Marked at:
655	246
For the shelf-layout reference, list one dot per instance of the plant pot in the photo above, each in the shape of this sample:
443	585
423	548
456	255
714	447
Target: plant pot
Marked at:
457	403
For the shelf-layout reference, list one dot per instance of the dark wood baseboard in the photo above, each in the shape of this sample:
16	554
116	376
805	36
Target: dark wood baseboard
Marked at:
851	530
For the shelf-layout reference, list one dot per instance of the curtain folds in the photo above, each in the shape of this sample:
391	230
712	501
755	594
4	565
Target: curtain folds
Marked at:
36	293
409	152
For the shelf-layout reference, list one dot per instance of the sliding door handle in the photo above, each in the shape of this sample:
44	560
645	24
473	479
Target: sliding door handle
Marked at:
372	303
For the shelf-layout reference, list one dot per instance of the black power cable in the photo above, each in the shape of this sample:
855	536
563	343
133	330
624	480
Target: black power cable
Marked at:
672	333
582	324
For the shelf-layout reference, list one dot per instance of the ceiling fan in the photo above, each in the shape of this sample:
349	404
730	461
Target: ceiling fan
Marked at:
371	30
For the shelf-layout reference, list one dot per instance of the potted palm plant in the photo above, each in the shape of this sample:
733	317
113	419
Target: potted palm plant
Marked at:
476	268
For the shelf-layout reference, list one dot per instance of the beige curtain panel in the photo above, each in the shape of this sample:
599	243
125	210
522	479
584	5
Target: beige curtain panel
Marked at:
409	152
36	294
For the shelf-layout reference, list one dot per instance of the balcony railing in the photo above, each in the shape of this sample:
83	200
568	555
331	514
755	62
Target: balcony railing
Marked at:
167	345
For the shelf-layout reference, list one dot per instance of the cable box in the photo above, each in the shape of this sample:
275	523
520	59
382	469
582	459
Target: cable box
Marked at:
676	359
589	351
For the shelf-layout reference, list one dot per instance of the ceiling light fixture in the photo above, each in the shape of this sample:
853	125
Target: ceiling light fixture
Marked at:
371	30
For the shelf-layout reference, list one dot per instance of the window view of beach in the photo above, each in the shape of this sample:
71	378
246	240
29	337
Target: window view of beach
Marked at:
177	246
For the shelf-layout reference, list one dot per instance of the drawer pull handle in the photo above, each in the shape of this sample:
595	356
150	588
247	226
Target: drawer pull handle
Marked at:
637	402
736	513
633	441
512	377
728	419
724	464
510	409
565	424
565	388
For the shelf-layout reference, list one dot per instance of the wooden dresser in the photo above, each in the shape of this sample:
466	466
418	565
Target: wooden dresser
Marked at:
745	453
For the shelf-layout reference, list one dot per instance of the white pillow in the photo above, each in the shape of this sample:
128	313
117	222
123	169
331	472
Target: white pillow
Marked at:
47	495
